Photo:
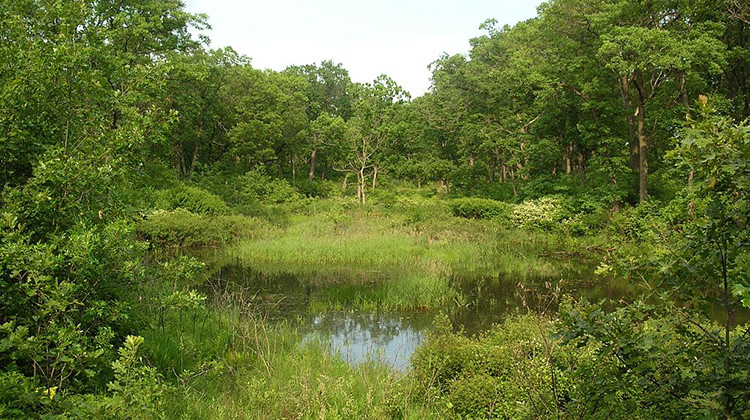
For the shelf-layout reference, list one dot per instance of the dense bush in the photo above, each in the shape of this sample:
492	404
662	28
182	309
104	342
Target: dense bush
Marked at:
313	189
258	187
67	304
543	213
184	228
673	362
480	208
516	370
639	223
193	199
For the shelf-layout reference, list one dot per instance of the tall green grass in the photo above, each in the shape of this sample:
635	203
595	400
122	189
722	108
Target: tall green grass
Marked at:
412	257
224	361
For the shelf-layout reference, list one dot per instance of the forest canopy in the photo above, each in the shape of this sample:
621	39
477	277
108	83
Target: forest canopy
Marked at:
122	133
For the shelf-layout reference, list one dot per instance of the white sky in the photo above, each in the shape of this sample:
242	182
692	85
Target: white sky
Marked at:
399	38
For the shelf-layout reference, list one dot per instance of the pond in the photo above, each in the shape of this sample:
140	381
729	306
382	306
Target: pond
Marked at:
305	302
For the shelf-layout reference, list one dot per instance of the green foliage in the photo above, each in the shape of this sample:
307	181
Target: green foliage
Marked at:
544	213
66	304
137	390
669	360
258	187
183	228
100	102
480	208
313	189
516	370
192	199
692	256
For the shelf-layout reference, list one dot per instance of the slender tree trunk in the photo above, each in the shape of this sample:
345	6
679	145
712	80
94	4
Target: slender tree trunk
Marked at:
568	152
374	177
180	158
294	170
616	201
686	103
634	141
361	186
684	93
581	169
473	181
311	174
524	161
194	159
344	184
642	145
728	403
513	183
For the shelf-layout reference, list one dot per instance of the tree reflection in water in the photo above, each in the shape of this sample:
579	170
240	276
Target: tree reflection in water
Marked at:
322	305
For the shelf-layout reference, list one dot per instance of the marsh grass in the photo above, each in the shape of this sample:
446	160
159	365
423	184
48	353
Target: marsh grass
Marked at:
406	261
225	361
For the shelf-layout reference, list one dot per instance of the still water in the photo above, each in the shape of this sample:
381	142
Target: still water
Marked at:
391	336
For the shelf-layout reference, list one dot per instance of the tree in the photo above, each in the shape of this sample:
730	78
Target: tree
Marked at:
327	134
650	49
367	129
196	90
696	260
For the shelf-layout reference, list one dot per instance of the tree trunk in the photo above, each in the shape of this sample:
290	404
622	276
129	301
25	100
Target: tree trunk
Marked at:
642	146
374	177
361	186
344	184
524	161
684	93
513	183
311	174
473	181
294	170
180	158
194	159
581	169
616	201
634	142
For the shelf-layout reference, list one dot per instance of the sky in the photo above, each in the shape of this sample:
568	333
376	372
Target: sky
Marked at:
399	38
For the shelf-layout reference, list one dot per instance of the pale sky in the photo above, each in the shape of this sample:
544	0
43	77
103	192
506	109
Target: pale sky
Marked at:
369	37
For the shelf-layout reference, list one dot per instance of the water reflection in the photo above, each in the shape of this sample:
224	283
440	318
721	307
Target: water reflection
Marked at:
391	336
320	304
359	336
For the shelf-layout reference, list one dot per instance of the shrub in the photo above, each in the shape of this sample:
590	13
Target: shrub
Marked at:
480	208
193	199
70	301
516	370
312	189
543	213
259	187
639	223
481	396
183	228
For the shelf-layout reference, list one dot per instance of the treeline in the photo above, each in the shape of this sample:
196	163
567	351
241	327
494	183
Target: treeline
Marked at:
588	96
